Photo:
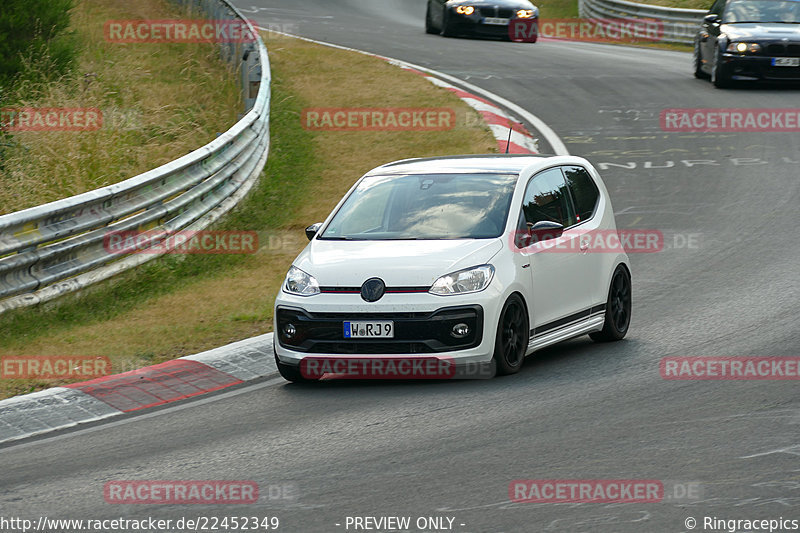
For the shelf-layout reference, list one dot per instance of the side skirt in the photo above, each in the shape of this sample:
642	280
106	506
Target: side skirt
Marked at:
575	329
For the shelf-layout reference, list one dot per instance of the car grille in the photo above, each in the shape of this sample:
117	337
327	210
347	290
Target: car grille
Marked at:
783	50
357	290
499	12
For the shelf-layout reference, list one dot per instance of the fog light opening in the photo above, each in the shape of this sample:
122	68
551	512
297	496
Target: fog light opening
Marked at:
460	331
289	330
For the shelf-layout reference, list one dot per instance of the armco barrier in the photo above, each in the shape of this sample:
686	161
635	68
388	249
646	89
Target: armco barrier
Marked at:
57	247
679	25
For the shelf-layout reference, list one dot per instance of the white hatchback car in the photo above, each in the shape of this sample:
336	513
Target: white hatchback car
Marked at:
468	259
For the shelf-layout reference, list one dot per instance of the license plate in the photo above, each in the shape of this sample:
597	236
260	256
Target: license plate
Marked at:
786	61
375	329
496	21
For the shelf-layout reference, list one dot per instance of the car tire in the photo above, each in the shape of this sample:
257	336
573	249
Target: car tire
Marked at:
618	308
446	31
291	372
429	27
697	60
511	341
719	77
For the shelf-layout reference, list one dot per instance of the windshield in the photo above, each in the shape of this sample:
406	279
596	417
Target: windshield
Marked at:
786	11
430	206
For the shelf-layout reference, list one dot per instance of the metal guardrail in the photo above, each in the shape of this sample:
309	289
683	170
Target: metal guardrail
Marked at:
678	25
51	249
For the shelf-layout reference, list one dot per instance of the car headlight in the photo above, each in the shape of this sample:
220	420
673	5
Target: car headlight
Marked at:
465	10
473	279
300	283
743	48
525	13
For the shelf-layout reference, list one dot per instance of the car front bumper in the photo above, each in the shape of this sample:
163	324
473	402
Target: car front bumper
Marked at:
475	24
740	67
422	327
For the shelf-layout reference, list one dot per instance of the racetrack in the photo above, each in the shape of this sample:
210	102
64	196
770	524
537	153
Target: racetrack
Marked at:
578	410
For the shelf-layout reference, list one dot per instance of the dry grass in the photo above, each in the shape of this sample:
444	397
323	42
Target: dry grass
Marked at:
203	312
159	101
368	83
556	9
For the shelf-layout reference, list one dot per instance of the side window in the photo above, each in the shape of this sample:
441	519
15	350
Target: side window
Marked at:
584	192
547	198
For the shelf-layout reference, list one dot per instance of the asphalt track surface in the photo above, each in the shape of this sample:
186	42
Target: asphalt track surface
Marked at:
578	410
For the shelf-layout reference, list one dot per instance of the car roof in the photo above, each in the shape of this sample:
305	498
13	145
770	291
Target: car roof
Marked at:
462	164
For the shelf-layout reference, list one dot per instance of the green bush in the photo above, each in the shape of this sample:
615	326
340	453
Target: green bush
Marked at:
34	41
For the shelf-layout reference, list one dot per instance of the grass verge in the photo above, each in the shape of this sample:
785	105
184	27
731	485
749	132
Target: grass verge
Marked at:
184	304
158	101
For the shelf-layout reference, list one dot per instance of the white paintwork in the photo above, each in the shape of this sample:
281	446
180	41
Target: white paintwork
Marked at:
554	285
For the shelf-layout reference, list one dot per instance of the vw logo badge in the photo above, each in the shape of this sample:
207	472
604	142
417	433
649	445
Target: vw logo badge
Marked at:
373	290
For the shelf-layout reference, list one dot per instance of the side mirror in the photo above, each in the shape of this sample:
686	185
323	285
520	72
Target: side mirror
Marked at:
312	230
711	19
545	230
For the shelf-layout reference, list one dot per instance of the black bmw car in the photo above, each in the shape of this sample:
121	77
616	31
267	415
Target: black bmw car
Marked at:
749	40
508	19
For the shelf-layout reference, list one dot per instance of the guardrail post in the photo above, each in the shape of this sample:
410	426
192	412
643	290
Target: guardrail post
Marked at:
251	67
